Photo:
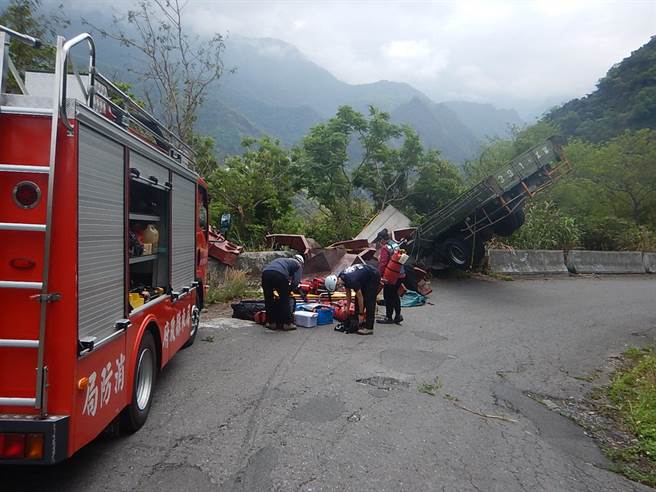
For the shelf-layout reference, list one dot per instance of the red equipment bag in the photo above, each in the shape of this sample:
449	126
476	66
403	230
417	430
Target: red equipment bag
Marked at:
260	317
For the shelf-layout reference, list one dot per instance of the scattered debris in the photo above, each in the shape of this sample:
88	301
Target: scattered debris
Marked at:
355	416
208	338
390	219
221	249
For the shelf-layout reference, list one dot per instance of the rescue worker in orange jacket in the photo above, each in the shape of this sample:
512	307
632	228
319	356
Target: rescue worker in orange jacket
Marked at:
390	291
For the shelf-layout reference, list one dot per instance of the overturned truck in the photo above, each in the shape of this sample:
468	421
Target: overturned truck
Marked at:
455	235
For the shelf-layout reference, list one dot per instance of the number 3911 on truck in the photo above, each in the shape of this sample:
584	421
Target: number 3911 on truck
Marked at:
103	255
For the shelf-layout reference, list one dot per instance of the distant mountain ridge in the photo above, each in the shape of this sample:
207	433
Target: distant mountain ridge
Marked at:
277	91
282	93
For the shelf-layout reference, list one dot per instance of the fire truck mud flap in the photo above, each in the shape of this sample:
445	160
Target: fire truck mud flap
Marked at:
26	440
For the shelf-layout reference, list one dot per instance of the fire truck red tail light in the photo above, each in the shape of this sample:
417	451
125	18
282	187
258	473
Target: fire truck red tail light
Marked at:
17	445
27	194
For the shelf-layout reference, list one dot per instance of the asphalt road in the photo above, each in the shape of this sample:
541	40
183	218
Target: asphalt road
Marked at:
314	409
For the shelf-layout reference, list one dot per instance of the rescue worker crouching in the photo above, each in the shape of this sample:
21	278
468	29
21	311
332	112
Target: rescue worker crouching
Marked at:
364	280
282	276
390	291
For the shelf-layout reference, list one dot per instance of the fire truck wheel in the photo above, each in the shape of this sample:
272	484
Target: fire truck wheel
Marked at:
195	323
135	415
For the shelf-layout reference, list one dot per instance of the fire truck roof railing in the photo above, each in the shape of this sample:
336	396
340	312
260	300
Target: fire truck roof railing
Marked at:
99	93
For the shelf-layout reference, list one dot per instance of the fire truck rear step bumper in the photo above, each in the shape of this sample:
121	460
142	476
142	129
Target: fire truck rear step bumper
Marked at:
55	436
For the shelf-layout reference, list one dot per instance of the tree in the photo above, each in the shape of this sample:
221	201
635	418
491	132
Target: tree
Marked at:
178	69
438	182
323	171
386	170
24	16
615	178
256	188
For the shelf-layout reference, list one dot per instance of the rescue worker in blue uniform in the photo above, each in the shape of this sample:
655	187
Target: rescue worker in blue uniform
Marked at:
364	280
282	276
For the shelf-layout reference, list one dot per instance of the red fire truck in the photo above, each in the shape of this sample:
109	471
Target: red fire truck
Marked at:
103	255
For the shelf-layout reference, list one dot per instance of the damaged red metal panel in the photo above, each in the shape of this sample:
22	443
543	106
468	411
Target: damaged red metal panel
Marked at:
298	242
352	246
223	250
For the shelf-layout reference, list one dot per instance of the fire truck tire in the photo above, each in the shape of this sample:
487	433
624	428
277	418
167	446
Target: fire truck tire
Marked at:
195	323
145	373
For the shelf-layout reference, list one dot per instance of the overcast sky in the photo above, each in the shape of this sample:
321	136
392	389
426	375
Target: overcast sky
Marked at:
513	53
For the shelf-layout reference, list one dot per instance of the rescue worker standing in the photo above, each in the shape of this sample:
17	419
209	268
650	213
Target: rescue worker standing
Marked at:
282	276
364	280
390	291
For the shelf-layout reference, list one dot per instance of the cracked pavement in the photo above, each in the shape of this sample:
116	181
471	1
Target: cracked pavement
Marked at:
256	410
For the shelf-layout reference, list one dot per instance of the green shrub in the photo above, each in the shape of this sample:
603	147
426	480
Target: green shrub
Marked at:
546	227
234	285
615	234
634	393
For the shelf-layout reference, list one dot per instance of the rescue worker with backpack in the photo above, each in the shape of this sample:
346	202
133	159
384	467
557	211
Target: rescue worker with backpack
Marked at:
281	276
390	290
364	280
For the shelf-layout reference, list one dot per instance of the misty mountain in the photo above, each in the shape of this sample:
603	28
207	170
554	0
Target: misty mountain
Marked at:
282	93
276	90
625	99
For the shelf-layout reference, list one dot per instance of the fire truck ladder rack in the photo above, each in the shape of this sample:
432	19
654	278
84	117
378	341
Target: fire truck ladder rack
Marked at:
40	400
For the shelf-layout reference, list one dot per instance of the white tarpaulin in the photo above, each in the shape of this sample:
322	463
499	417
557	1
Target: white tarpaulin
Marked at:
390	219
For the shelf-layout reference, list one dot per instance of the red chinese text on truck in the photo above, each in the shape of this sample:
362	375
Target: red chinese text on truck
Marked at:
103	256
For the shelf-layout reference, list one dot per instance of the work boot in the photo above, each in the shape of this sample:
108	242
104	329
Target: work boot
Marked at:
398	320
385	321
288	327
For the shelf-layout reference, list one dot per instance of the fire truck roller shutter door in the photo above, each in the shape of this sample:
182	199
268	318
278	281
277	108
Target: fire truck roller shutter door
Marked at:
101	244
148	169
183	236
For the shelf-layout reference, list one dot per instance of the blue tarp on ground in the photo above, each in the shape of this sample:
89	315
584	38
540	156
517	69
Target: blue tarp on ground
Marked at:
412	299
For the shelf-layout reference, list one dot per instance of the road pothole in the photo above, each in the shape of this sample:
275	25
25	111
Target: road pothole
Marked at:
319	409
383	382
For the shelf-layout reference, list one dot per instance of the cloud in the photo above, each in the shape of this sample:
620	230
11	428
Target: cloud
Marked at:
506	52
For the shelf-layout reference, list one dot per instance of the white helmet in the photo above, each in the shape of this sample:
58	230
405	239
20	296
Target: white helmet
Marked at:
331	283
300	259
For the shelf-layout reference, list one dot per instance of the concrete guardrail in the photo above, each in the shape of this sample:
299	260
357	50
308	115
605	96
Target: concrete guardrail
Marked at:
649	260
251	261
527	262
615	262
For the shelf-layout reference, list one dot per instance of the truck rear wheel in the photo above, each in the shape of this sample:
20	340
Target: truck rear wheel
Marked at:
460	253
145	374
